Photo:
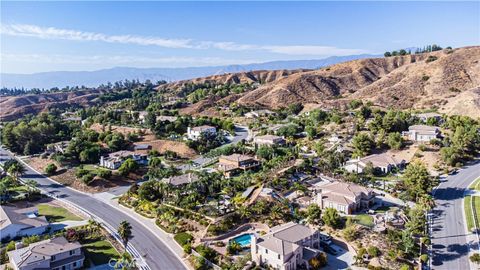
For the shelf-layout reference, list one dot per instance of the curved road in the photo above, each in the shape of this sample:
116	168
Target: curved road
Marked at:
156	254
451	242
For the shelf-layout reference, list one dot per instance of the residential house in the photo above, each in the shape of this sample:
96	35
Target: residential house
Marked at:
181	179
269	140
425	116
162	118
114	160
286	247
195	132
234	163
54	254
59	147
138	147
259	113
422	133
383	163
345	197
19	222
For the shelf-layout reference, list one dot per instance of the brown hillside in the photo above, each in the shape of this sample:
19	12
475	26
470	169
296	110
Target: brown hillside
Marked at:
401	82
13	107
258	76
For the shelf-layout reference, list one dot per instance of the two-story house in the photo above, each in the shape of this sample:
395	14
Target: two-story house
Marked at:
195	132
114	160
345	197
286	247
269	140
54	254
422	133
234	163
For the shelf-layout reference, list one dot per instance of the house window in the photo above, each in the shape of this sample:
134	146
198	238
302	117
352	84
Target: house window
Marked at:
266	251
53	258
74	264
279	256
72	252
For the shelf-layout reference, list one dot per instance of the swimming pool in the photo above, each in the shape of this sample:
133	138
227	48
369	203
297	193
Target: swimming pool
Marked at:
243	240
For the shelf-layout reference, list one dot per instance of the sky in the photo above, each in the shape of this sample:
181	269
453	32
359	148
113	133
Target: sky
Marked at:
70	36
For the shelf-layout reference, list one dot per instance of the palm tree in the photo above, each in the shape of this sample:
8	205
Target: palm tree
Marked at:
125	232
93	226
244	211
125	262
16	170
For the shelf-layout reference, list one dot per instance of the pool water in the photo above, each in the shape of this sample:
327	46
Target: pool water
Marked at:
243	240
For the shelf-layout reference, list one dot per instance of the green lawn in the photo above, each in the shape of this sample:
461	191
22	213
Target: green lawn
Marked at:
468	212
99	251
56	214
364	219
468	206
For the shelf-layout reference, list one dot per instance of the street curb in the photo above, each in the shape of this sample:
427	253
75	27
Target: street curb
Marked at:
151	230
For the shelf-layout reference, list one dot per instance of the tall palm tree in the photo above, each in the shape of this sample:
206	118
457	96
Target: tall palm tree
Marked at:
16	170
125	232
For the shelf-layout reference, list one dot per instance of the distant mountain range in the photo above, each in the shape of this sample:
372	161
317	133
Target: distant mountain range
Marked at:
94	78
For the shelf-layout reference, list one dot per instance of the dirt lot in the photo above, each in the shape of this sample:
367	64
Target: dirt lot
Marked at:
67	177
160	145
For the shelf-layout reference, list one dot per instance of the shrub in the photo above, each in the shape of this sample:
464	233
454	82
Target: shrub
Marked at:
183	238
81	172
105	174
87	178
50	169
431	58
453	89
187	248
424	258
373	251
475	258
422	147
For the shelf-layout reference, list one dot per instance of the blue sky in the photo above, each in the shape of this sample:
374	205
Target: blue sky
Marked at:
48	36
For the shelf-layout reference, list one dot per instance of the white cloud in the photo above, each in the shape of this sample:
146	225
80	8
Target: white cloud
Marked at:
56	33
131	60
66	34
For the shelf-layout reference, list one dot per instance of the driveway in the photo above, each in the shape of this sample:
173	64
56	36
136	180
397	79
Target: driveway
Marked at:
342	260
451	242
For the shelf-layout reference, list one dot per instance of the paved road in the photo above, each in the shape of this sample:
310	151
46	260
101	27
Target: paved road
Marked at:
241	133
450	240
156	254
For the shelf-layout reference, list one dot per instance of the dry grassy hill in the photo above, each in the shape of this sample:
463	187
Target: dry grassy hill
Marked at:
402	82
13	107
257	76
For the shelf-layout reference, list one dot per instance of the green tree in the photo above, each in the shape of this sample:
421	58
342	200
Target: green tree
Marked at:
125	232
314	214
417	180
395	140
331	217
50	169
362	143
128	166
16	169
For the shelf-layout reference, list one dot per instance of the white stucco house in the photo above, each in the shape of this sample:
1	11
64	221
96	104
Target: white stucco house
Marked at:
20	222
195	132
384	162
422	133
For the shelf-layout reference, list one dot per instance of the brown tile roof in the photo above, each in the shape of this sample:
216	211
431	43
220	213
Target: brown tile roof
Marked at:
237	157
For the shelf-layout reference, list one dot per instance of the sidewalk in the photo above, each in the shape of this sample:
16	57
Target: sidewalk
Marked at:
149	223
